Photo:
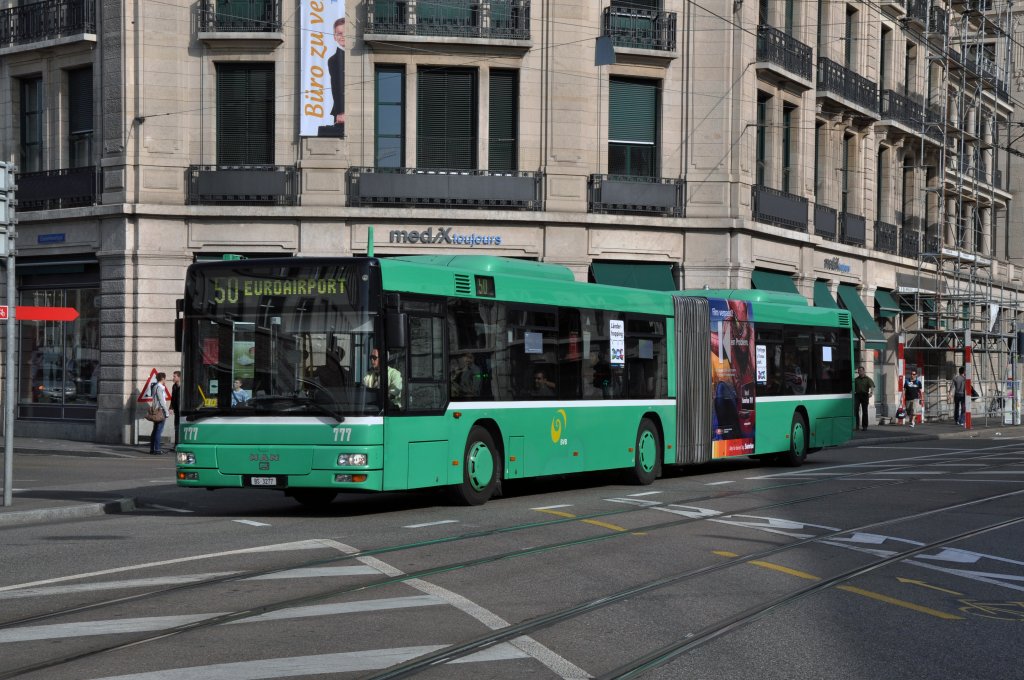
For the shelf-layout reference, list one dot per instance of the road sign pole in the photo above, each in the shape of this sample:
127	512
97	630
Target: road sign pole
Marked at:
8	241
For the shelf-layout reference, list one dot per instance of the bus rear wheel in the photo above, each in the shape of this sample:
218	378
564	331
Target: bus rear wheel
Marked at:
315	499
481	469
797	443
647	458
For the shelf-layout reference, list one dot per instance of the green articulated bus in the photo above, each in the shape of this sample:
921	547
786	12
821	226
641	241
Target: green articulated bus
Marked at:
323	375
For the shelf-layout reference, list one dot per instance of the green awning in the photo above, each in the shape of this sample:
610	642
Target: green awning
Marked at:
887	306
780	283
869	330
822	296
639	275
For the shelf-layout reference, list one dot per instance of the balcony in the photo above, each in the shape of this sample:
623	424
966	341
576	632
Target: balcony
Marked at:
405	187
847	85
636	195
932	19
239	23
493	20
641	29
49	20
886	237
825	222
781	49
910	242
54	189
896	107
242	185
782	209
852	229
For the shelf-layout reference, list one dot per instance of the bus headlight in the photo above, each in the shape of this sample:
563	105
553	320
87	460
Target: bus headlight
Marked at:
347	459
186	458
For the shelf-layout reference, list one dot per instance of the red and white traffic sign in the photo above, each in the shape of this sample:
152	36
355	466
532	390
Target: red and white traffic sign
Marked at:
3	312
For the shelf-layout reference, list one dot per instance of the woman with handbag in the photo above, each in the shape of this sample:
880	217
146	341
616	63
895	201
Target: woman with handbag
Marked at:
158	412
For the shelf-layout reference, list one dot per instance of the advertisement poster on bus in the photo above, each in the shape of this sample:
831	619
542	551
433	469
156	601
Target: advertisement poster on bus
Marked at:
617	342
322	68
733	375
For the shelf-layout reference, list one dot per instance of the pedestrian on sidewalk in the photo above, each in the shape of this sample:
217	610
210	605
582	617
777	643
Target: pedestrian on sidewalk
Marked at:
958	386
863	388
162	399
912	390
176	404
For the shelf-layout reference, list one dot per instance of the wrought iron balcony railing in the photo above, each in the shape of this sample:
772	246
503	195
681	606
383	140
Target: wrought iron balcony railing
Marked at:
910	242
640	28
240	16
839	80
636	195
782	209
826	222
46	20
886	237
53	189
242	185
852	229
495	19
782	49
894	106
419	187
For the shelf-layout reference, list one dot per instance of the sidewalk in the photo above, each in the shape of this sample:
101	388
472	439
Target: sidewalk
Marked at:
76	485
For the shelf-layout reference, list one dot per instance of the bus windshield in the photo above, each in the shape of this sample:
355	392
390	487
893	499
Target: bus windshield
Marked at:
273	338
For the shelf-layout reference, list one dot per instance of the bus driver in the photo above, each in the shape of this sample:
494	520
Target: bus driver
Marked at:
372	379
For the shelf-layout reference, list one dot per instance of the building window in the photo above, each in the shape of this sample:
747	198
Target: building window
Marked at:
446	119
31	152
80	121
788	141
389	122
762	138
503	123
849	154
850	51
245	114
633	127
59	361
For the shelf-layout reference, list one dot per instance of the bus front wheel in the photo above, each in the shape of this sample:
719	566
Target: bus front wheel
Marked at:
647	458
481	469
797	443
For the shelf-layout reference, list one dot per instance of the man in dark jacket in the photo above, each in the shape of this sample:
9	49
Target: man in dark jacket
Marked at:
336	68
912	392
176	404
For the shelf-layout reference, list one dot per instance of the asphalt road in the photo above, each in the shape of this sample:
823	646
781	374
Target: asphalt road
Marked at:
881	561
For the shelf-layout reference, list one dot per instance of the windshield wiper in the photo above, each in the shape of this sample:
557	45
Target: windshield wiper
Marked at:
298	399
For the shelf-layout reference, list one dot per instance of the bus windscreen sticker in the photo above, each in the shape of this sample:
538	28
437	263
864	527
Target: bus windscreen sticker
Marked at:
735	365
617	337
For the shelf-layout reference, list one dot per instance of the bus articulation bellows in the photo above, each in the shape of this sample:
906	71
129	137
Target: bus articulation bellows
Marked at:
323	375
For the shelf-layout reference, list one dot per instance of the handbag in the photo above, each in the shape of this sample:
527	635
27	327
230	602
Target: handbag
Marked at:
155	414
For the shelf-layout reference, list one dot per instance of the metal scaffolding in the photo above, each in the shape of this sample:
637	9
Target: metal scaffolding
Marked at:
959	285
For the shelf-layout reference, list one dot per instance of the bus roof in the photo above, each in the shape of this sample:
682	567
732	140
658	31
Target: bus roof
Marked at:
750	295
493	265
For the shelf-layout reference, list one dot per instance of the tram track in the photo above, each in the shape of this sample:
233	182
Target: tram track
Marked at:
522	628
384	550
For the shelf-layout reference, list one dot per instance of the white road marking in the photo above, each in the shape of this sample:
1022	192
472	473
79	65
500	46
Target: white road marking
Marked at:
287	667
557	664
164	507
277	547
719	483
251	523
157	623
644	493
431	524
996	472
553	507
316	572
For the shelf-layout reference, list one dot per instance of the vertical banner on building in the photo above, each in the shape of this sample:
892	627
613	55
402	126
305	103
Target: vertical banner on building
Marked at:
322	63
734	367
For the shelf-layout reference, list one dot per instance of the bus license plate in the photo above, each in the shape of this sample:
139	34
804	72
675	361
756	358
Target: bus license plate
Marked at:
263	481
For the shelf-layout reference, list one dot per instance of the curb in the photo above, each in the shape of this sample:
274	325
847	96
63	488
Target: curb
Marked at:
67	512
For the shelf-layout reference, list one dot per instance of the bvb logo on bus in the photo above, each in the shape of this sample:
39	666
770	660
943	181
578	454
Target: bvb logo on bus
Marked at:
558	424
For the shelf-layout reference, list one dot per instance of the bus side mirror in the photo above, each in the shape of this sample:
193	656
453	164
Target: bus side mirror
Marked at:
179	325
395	329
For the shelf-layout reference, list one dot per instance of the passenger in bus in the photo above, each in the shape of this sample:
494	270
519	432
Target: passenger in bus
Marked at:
333	373
796	381
466	378
394	381
239	395
542	387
